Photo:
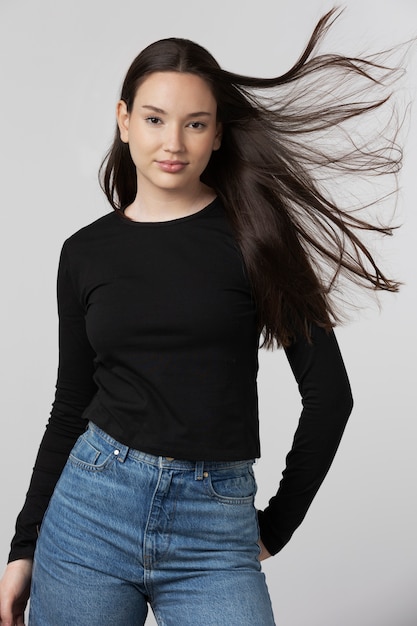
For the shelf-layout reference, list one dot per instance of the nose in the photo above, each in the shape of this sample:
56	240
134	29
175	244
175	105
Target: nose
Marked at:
173	140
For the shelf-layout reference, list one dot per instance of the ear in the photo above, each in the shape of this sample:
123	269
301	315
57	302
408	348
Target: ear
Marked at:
122	117
218	138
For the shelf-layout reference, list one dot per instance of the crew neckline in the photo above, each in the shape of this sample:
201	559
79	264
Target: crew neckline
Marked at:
173	222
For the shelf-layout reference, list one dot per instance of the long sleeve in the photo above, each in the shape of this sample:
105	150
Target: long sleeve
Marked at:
327	403
75	389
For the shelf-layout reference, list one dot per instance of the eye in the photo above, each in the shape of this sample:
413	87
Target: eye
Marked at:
197	125
153	120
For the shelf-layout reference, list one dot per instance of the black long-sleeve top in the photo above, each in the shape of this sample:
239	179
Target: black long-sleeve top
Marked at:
158	346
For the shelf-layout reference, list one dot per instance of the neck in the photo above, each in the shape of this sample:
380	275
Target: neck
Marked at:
165	205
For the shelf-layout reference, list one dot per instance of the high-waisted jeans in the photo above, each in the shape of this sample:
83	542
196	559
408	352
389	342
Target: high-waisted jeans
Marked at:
125	529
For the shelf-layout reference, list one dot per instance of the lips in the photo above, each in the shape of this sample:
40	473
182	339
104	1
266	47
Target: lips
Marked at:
171	166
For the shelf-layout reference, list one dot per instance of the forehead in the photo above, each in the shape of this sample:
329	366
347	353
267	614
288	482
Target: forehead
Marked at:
175	88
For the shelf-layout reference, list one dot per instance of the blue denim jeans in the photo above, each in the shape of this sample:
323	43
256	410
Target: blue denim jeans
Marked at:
125	530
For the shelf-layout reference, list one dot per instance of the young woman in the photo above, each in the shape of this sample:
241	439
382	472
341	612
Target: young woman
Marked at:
222	231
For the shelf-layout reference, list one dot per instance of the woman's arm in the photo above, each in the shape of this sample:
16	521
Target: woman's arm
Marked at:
327	403
74	391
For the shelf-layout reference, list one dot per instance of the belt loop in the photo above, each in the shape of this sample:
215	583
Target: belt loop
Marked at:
199	469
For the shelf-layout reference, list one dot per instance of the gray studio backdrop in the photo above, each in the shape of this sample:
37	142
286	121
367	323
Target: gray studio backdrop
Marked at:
354	560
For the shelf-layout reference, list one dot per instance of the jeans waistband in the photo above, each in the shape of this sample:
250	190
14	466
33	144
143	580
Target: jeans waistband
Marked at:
166	461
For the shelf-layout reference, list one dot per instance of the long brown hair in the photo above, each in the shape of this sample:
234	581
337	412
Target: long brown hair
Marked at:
273	169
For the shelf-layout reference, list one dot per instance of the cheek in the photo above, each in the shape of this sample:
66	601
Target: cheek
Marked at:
140	145
206	148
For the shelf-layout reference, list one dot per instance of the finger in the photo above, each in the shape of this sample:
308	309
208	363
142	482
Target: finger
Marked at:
6	615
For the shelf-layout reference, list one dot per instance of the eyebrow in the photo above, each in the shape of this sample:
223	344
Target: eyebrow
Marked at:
150	107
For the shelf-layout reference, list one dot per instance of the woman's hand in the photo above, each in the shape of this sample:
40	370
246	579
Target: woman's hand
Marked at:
264	554
14	592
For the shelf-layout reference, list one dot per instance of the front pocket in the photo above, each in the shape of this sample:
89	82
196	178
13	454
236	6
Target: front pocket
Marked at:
91	456
237	486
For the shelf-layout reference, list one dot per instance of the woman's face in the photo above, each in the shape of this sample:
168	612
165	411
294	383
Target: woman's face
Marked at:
171	131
